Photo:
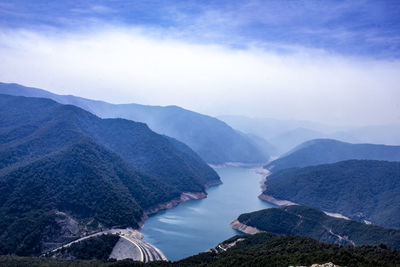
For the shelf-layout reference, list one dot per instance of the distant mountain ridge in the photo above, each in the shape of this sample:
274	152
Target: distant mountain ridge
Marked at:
309	222
322	151
64	171
287	134
215	141
359	189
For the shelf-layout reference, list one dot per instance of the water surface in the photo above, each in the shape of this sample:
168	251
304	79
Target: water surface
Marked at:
198	225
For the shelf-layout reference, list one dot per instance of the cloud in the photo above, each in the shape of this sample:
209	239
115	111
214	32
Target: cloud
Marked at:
143	65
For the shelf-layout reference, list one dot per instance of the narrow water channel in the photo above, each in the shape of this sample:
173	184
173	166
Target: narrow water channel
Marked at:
198	225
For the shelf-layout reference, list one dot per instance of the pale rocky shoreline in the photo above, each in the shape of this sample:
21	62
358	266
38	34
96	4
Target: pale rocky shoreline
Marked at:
185	196
285	203
244	228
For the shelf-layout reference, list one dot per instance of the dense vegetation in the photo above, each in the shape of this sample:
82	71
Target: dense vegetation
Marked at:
56	158
215	141
34	127
309	222
266	249
359	189
322	151
98	247
263	249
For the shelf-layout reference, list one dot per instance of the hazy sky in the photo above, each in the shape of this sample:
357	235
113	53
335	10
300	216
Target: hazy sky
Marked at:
329	61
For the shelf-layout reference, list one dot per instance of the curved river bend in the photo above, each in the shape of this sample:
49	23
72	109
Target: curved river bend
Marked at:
198	225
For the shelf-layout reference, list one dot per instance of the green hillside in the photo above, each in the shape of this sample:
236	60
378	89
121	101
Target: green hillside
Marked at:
264	249
359	189
65	172
33	127
309	222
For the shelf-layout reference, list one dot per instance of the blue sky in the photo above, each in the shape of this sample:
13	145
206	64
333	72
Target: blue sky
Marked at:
327	61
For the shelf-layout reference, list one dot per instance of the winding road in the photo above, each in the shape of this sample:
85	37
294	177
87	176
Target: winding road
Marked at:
130	245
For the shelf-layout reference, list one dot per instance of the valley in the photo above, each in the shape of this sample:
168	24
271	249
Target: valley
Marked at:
193	133
198	225
148	197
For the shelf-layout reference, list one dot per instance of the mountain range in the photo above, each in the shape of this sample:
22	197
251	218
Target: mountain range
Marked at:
65	171
215	141
322	151
287	134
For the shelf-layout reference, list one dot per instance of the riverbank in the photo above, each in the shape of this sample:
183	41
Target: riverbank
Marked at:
185	196
234	164
267	198
284	203
244	228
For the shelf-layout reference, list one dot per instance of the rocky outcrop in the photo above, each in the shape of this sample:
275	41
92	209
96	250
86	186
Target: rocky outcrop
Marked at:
62	229
244	228
225	246
329	264
275	201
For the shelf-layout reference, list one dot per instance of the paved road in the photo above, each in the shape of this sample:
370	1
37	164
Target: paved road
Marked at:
130	246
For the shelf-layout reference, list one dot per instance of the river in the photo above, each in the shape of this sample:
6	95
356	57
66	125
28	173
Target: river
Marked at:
198	225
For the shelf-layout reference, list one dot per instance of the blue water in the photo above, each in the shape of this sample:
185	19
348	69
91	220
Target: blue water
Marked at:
198	225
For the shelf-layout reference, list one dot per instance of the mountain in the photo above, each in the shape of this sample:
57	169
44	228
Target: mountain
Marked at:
263	249
32	127
309	222
382	134
359	189
321	151
266	249
267	148
65	172
287	134
215	141
290	139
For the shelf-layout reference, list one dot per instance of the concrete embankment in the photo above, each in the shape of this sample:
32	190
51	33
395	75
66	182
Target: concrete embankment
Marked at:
244	228
130	245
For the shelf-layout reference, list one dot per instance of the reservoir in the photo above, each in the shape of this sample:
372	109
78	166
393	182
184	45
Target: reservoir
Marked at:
198	225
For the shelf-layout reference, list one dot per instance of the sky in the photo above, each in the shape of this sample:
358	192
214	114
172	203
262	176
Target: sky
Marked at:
327	61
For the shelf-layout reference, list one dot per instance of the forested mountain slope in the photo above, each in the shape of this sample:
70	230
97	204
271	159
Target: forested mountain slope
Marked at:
309	222
359	189
215	141
64	172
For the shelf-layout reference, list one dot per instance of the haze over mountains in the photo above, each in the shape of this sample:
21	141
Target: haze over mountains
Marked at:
65	171
215	141
287	134
321	151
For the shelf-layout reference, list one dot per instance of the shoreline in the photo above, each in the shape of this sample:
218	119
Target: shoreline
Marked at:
278	202
233	164
285	203
268	198
185	196
241	227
